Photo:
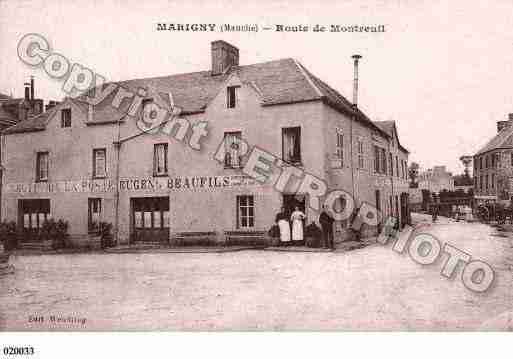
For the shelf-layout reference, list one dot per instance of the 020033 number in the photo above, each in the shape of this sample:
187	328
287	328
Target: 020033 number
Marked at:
18	350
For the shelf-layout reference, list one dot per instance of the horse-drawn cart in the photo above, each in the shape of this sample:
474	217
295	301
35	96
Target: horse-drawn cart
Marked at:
496	212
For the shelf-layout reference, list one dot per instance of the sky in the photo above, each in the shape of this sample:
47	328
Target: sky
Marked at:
442	71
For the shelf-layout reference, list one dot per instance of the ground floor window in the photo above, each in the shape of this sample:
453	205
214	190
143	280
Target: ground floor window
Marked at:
94	214
245	212
150	218
33	212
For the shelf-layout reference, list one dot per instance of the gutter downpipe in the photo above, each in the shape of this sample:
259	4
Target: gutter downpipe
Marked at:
392	179
117	146
355	58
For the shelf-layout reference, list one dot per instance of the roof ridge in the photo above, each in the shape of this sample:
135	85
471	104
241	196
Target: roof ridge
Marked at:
500	138
231	68
306	75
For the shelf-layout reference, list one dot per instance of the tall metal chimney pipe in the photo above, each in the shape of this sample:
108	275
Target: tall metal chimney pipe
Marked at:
32	87
356	58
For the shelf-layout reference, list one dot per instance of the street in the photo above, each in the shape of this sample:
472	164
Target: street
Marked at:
373	288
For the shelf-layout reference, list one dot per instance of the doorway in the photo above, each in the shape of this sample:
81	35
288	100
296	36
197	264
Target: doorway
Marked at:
378	207
291	201
31	215
150	219
405	211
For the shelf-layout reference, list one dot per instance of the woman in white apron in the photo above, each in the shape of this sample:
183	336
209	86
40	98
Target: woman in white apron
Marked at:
297	219
283	223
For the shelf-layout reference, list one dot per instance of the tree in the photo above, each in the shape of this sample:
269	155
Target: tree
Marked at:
413	173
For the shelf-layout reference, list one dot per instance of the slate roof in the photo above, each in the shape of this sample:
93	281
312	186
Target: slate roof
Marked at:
282	81
7	119
32	124
503	139
390	127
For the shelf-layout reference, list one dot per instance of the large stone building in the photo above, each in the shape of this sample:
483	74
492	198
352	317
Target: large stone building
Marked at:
436	179
87	163
493	166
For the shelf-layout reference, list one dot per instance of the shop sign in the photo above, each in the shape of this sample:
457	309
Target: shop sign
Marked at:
151	184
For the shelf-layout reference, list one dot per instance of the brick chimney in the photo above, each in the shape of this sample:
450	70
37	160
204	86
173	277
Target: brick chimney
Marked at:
51	104
224	55
32	88
23	111
503	124
27	91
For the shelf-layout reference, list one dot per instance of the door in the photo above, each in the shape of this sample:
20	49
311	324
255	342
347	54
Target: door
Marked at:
291	201
150	219
399	220
378	207
31	215
405	215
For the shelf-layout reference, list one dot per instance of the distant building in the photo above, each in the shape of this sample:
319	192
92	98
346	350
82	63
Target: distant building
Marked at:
436	179
463	183
493	166
14	110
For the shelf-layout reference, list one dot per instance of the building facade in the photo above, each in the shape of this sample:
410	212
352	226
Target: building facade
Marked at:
493	166
89	162
436	179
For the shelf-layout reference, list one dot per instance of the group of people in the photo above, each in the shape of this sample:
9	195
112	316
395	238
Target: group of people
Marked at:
295	235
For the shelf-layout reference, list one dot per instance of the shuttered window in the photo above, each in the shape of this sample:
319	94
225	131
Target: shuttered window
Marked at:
99	163
160	159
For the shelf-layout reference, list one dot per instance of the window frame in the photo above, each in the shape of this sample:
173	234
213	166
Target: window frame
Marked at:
297	130
39	156
231	96
339	147
250	219
360	153
231	165
377	160
384	161
96	175
66	120
155	160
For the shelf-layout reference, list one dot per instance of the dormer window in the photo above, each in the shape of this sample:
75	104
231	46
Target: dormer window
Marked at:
66	117
231	96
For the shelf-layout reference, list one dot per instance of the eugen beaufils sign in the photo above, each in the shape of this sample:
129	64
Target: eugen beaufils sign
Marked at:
131	184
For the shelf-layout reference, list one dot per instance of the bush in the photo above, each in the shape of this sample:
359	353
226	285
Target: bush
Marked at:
56	232
274	232
313	235
105	232
8	235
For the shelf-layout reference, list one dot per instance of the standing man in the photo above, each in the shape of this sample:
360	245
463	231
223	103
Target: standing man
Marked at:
326	222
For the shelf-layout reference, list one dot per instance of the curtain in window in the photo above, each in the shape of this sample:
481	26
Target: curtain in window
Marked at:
160	159
291	145
232	149
43	166
100	163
